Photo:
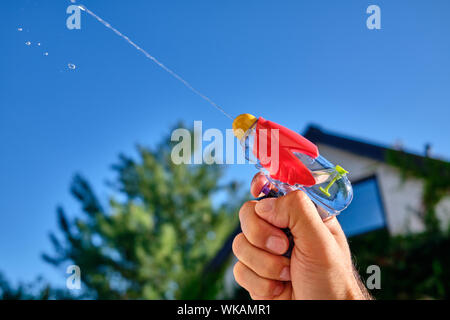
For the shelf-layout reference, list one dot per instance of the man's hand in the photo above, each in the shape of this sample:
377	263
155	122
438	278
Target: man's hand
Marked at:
320	266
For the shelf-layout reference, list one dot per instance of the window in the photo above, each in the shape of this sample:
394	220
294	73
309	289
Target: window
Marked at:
365	213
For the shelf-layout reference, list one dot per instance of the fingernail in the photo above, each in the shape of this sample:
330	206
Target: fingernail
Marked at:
278	290
285	274
276	244
265	205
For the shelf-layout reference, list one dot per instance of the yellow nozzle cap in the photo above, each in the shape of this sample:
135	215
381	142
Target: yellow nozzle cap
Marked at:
242	123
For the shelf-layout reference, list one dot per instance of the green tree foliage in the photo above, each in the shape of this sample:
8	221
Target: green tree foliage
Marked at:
21	291
38	289
161	227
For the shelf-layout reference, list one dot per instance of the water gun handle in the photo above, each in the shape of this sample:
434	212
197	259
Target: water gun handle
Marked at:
270	193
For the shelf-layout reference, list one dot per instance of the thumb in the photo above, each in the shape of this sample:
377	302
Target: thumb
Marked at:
297	212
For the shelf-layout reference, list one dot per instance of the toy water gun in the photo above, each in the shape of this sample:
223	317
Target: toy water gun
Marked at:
291	162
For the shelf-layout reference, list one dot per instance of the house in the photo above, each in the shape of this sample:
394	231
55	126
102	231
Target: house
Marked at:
382	197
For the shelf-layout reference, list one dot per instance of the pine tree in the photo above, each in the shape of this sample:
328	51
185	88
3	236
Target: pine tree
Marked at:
157	234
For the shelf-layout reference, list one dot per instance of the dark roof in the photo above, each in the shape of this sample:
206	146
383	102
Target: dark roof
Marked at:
363	148
356	146
316	135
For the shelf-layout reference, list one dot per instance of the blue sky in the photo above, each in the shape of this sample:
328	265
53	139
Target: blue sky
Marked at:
293	62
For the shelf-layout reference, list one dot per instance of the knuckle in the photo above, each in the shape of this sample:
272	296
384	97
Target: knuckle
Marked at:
238	242
250	225
254	235
297	197
298	200
237	272
245	209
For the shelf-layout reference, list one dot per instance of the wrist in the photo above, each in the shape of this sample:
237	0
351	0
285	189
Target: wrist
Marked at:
357	290
354	293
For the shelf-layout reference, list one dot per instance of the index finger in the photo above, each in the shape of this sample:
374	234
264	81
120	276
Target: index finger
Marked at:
258	182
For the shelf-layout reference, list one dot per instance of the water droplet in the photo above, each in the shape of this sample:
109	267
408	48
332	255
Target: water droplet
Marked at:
39	44
28	43
71	66
45	53
19	29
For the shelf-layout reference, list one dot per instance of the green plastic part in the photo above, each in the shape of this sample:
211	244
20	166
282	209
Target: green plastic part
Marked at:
340	172
325	191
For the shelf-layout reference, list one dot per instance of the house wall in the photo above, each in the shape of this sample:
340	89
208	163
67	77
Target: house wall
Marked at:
401	198
443	211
